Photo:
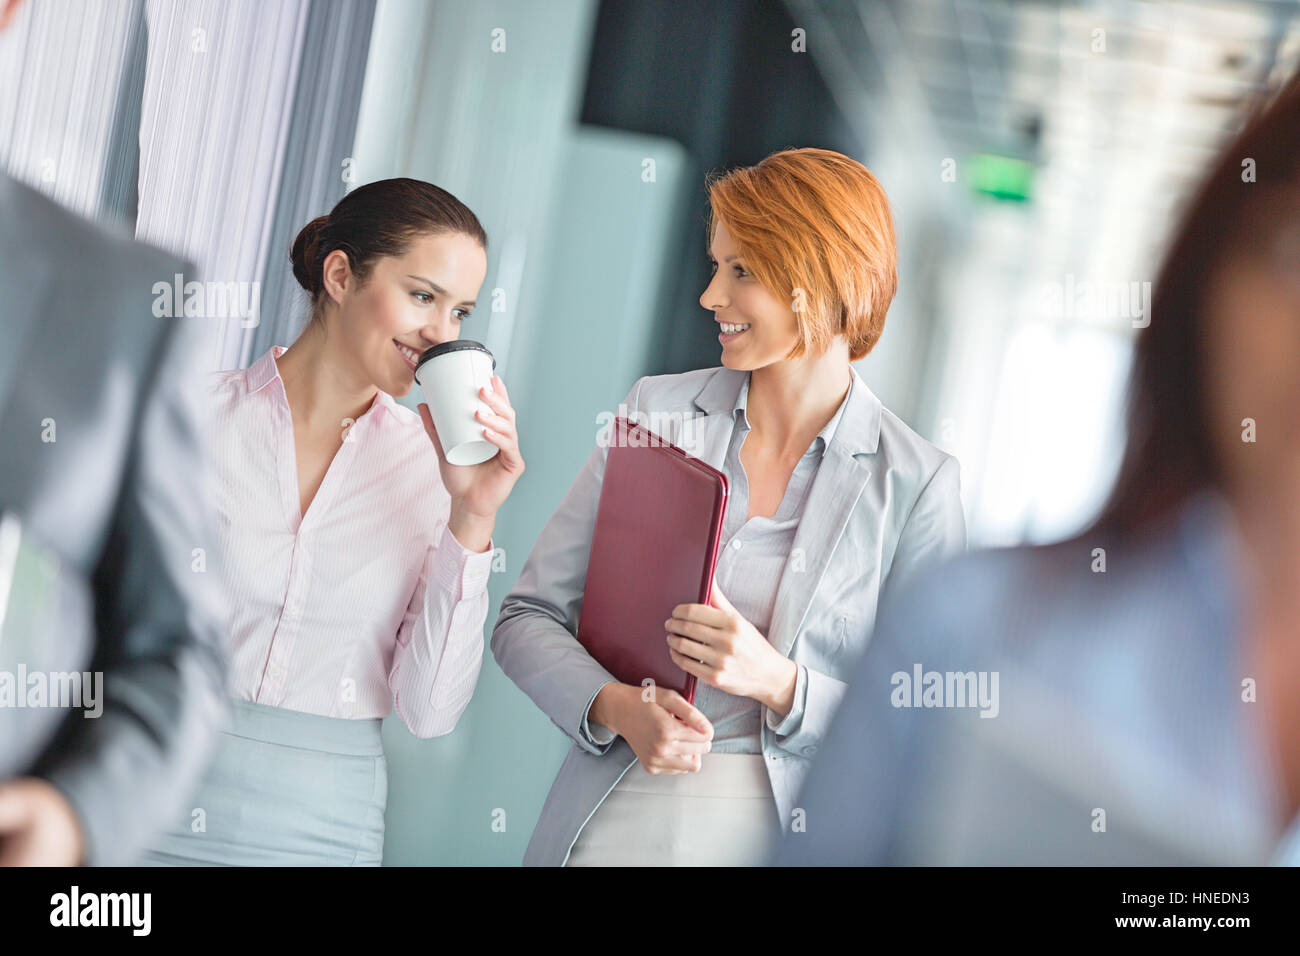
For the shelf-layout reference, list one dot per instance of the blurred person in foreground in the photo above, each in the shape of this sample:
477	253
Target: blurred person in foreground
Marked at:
1126	696
100	445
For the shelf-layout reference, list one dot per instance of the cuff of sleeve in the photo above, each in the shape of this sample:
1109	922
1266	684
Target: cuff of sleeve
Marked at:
791	721
461	571
598	734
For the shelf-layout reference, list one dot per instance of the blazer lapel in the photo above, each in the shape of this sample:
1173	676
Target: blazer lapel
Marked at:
834	494
707	436
835	491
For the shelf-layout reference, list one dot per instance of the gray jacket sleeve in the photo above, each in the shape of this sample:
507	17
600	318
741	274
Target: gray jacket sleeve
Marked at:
533	640
160	620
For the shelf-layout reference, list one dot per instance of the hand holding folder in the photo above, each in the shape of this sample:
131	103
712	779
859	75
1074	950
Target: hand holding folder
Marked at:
655	546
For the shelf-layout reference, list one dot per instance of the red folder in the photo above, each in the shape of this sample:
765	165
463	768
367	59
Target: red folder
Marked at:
655	546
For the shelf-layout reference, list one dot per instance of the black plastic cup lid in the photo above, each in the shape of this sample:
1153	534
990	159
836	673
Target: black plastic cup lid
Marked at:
455	345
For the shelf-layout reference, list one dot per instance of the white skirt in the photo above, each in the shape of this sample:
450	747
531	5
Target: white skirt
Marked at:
724	815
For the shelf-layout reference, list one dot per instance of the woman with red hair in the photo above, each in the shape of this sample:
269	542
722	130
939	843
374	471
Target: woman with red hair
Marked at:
833	499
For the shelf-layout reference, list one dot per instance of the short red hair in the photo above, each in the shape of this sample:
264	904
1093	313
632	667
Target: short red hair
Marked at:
815	220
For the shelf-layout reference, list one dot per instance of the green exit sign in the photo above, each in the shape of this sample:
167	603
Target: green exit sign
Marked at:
1001	177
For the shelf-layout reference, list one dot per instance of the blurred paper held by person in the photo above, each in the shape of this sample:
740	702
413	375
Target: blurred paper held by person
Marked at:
1126	696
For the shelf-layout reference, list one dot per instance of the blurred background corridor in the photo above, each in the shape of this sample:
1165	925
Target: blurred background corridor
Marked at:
1035	154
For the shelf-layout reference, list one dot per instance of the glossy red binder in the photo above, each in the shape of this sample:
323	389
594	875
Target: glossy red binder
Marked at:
655	546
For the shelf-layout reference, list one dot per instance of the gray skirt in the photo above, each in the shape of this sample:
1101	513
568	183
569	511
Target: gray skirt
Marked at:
721	815
285	788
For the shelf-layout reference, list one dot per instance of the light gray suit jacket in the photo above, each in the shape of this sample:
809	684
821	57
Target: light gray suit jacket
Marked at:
883	503
101	457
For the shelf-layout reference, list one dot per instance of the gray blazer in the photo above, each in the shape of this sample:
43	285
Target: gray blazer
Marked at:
884	502
117	495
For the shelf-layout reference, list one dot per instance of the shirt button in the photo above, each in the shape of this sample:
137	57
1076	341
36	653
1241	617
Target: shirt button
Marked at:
810	750
293	610
735	544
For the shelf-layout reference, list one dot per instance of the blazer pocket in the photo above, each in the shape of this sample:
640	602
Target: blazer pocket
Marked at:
841	634
852	635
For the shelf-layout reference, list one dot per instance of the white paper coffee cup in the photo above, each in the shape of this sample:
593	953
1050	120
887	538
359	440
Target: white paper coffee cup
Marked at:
450	375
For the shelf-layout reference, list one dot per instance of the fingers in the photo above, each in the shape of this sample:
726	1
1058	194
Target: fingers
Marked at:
499	429
15	825
676	756
689	763
13	809
506	440
498	424
497	399
705	672
499	385
694	640
685	748
677	705
692	649
701	613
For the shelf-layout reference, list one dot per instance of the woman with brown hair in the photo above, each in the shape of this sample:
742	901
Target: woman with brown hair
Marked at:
356	555
1147	667
833	499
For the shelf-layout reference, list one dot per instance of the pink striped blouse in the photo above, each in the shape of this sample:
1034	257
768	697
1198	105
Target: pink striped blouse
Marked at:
367	601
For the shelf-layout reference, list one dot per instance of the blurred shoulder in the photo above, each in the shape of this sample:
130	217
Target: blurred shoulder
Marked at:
963	593
98	249
1069	600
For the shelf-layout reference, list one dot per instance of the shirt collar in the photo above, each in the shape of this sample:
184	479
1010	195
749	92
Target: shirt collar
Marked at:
264	371
828	430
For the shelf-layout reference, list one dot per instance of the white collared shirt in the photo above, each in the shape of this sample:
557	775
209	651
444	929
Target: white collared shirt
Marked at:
366	602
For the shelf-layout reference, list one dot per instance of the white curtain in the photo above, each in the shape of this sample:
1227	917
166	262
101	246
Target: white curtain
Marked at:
64	67
218	95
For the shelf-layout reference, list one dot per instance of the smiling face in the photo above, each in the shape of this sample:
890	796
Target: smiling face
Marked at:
756	328
407	304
